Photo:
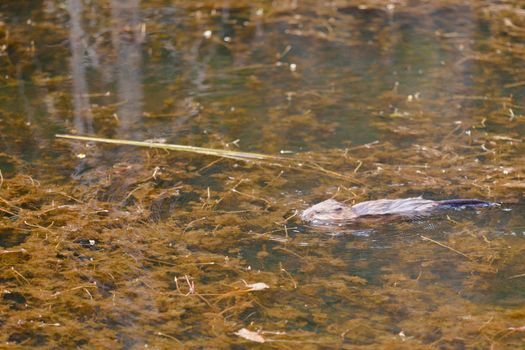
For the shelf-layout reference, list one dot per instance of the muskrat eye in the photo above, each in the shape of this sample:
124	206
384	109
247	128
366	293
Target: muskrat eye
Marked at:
317	211
338	209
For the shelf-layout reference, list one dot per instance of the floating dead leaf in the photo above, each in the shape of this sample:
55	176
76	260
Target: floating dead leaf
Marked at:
257	286
249	335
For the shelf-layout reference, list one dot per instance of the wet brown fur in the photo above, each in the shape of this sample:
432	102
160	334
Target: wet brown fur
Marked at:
333	212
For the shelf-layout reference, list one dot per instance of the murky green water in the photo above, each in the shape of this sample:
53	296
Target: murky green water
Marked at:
119	247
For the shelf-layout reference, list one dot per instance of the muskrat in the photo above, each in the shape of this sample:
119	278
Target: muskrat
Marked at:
333	212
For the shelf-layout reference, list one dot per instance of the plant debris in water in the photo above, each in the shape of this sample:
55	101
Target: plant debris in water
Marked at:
114	246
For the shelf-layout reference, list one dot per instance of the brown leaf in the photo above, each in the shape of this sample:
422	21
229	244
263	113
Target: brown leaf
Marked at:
249	335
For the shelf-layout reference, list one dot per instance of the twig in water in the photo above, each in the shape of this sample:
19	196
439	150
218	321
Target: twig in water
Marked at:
191	223
183	148
160	334
445	246
209	165
70	197
288	275
88	293
316	166
295	212
366	145
288	251
19	274
135	189
191	290
269	160
482	98
9	204
73	289
516	276
275	178
44	228
176	280
513	85
7	212
358	166
22	250
252	197
452	220
191	285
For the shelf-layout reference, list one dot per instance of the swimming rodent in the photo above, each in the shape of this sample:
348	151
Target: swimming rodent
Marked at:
333	212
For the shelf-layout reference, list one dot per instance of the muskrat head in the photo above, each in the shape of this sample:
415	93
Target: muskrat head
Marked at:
330	211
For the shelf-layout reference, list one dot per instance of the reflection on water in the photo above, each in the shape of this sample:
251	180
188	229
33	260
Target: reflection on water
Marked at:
127	36
83	118
105	246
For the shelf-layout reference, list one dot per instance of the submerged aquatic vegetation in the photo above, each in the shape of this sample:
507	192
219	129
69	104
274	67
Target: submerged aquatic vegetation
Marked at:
113	246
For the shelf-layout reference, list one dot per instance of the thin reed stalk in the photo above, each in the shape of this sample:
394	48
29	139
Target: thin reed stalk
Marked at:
288	162
183	148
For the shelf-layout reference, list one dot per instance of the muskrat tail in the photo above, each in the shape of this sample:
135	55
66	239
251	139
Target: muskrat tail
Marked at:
465	202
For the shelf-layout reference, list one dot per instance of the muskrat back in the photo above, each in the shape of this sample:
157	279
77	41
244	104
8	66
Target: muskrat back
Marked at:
333	212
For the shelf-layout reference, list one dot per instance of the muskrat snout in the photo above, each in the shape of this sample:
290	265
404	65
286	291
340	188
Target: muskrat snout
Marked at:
328	211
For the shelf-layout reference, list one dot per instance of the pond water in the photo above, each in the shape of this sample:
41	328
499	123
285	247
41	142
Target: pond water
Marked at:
110	246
